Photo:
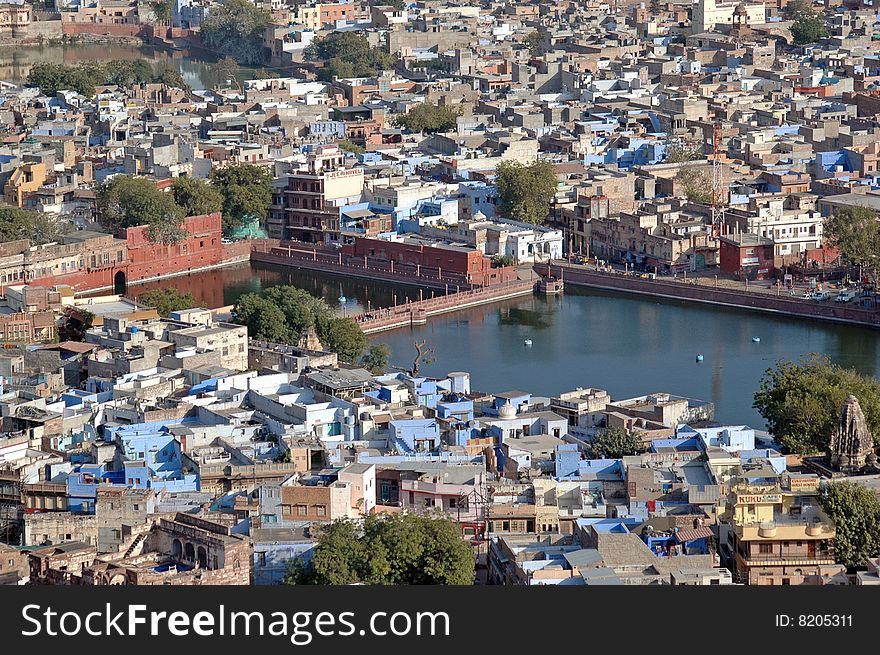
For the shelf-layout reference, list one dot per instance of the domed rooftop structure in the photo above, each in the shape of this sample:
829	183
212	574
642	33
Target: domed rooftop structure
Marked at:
507	411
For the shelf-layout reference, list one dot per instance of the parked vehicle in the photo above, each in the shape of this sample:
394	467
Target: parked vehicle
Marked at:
821	296
845	296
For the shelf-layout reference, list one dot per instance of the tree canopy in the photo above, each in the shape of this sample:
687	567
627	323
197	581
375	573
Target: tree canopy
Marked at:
284	314
809	24
167	300
696	183
525	191
614	443
534	42
235	28
52	77
855	511
801	401
36	227
428	118
399	549
347	54
855	231
126	201
377	359
196	197
246	190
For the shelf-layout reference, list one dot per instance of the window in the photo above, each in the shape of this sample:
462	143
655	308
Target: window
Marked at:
321	510
301	510
262	559
765	549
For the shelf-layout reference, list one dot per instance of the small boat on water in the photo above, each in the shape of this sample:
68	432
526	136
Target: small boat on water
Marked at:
527	342
756	339
699	358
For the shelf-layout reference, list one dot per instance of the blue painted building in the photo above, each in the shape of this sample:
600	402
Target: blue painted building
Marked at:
415	435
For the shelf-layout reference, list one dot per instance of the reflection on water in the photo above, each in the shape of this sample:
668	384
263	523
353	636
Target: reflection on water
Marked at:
195	66
522	316
224	286
623	343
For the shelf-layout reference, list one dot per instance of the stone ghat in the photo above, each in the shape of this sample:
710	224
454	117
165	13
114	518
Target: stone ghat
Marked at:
702	293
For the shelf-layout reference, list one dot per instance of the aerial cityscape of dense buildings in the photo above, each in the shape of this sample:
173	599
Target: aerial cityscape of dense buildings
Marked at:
455	155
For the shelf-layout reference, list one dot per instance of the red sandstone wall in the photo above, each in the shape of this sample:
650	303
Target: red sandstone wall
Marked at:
203	248
103	29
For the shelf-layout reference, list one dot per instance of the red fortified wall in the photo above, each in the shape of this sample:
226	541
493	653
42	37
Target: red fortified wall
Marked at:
203	248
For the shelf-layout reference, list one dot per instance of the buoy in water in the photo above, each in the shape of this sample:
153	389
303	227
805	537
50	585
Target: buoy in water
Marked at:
699	358
527	342
756	339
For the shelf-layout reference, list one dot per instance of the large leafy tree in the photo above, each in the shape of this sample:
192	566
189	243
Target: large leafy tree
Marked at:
696	184
400	549
38	228
801	401
614	443
196	197
855	232
525	191
428	118
235	28
347	54
808	26
377	359
284	314
345	337
264	319
126	201
167	300
855	511
52	77
246	191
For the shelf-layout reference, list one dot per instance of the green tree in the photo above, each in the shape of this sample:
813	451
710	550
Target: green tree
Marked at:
855	511
36	227
696	183
535	43
525	191
499	261
680	153
348	146
428	118
125	72
50	78
196	197
301	310
167	300
855	232
344	337
167	74
162	10
347	54
246	191
235	28
284	314
801	402
263	318
614	443
808	27
377	359
400	549
126	201
797	8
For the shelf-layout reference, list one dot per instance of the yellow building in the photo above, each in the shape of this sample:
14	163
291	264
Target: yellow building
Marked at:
25	179
780	536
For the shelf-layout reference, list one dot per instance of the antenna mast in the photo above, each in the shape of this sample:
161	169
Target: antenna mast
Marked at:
717	180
